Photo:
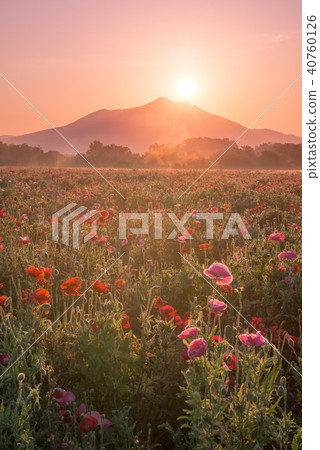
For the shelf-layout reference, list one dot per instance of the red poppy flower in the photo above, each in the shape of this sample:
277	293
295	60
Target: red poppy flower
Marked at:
71	286
204	246
125	321
227	289
3	300
230	361
119	285
41	296
159	302
88	423
167	312
295	268
34	272
99	287
216	339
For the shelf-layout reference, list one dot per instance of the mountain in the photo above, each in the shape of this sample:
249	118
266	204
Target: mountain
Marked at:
161	121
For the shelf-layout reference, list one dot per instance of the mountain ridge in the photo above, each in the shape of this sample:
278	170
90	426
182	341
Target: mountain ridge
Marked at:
159	121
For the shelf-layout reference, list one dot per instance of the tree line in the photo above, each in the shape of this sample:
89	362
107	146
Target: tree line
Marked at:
195	153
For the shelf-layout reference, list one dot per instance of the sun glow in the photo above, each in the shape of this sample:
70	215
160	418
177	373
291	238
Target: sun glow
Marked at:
186	88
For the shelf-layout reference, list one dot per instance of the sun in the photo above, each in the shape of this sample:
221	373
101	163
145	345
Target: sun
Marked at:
186	88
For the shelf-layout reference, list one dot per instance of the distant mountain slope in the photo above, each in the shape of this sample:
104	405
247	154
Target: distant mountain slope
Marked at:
161	121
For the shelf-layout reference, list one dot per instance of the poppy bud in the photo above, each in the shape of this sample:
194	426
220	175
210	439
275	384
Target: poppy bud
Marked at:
223	391
290	342
21	377
281	391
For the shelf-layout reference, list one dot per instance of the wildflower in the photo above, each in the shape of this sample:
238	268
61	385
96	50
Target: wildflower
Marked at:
88	423
217	306
34	272
227	289
288	255
197	348
220	273
159	302
94	414
46	271
167	312
3	300
119	285
189	333
71	286
204	246
99	287
25	240
41	296
125	321
62	397
188	231
179	324
276	237
230	361
253	339
104	214
217	339
295	269
4	358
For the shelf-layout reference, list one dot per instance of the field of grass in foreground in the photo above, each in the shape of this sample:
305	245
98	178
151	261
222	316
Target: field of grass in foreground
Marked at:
148	357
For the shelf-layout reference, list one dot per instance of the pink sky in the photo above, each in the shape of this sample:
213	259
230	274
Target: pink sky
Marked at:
70	58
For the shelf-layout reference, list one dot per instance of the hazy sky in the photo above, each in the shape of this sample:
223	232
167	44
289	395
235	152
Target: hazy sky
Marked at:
73	57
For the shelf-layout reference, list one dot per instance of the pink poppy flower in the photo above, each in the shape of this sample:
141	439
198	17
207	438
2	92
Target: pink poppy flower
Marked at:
62	397
25	240
102	241
197	348
288	255
253	339
217	306
220	273
276	237
106	423
189	333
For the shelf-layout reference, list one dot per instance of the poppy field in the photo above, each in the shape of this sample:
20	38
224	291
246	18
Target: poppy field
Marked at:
144	343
